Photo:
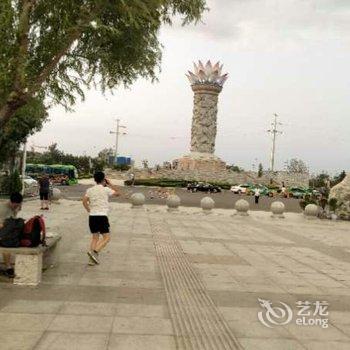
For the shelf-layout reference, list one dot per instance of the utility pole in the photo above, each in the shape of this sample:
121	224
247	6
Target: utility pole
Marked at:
117	133
274	133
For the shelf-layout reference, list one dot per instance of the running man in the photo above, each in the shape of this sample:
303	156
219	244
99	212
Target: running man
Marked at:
96	204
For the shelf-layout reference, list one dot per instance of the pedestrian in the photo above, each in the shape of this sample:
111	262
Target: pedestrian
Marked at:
8	210
96	204
132	179
257	195
284	191
51	183
44	189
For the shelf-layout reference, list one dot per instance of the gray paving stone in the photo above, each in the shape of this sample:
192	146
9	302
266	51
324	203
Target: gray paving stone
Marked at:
76	341
339	317
317	333
141	342
32	307
81	323
97	309
142	325
24	322
239	261
18	340
270	344
141	310
326	345
254	329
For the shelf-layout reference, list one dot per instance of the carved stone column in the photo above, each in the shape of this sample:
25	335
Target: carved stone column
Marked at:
204	121
206	83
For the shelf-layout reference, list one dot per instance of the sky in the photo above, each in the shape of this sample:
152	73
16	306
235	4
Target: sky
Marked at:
289	57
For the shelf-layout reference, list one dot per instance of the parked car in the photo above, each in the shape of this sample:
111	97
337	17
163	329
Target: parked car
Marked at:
264	191
296	192
240	188
31	186
203	187
273	191
28	180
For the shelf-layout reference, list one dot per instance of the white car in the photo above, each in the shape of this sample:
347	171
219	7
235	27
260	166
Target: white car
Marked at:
31	186
240	188
29	181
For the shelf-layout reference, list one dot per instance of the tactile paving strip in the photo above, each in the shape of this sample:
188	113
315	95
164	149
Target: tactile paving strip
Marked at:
197	322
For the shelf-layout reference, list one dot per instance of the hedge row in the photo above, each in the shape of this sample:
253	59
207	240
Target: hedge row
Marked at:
171	183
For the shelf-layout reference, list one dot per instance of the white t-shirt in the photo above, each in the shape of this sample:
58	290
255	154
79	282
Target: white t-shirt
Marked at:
98	200
257	192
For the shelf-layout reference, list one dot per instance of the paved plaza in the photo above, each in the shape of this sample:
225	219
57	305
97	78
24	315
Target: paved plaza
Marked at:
184	280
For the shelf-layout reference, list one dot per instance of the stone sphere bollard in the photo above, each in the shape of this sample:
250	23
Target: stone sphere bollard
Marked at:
137	200
56	195
311	211
277	209
207	204
242	207
173	202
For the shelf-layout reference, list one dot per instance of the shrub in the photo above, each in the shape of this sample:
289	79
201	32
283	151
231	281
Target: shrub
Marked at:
333	204
85	176
170	183
121	167
308	199
11	183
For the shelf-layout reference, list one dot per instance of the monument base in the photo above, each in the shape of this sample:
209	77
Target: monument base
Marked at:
202	162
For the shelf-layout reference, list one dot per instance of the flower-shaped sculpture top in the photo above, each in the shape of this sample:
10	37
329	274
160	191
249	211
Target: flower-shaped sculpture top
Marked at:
207	74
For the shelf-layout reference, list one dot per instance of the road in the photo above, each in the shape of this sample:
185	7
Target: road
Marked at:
223	200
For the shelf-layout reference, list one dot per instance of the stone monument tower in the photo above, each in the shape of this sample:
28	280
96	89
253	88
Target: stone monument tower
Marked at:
206	82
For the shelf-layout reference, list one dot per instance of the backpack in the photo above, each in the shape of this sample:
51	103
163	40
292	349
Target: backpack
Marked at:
11	232
33	232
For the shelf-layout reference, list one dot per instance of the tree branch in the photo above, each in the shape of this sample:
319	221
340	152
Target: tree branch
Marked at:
47	70
15	97
87	16
23	43
22	91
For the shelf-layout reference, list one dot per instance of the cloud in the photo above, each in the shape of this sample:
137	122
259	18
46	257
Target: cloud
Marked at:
275	23
285	56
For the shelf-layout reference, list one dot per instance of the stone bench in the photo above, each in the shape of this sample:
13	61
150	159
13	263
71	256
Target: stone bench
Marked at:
29	262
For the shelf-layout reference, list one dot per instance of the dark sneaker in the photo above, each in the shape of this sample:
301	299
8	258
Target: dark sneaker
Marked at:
93	257
10	273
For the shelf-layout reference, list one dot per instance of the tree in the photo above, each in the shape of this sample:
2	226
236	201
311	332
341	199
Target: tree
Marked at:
54	155
11	183
25	122
235	168
319	180
105	154
297	166
338	178
260	170
52	50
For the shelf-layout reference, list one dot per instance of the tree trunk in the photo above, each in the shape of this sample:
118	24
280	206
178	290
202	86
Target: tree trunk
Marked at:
9	109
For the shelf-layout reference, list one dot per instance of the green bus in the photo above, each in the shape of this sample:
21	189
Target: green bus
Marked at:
59	173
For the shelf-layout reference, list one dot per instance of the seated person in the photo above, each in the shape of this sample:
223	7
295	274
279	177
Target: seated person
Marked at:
9	210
